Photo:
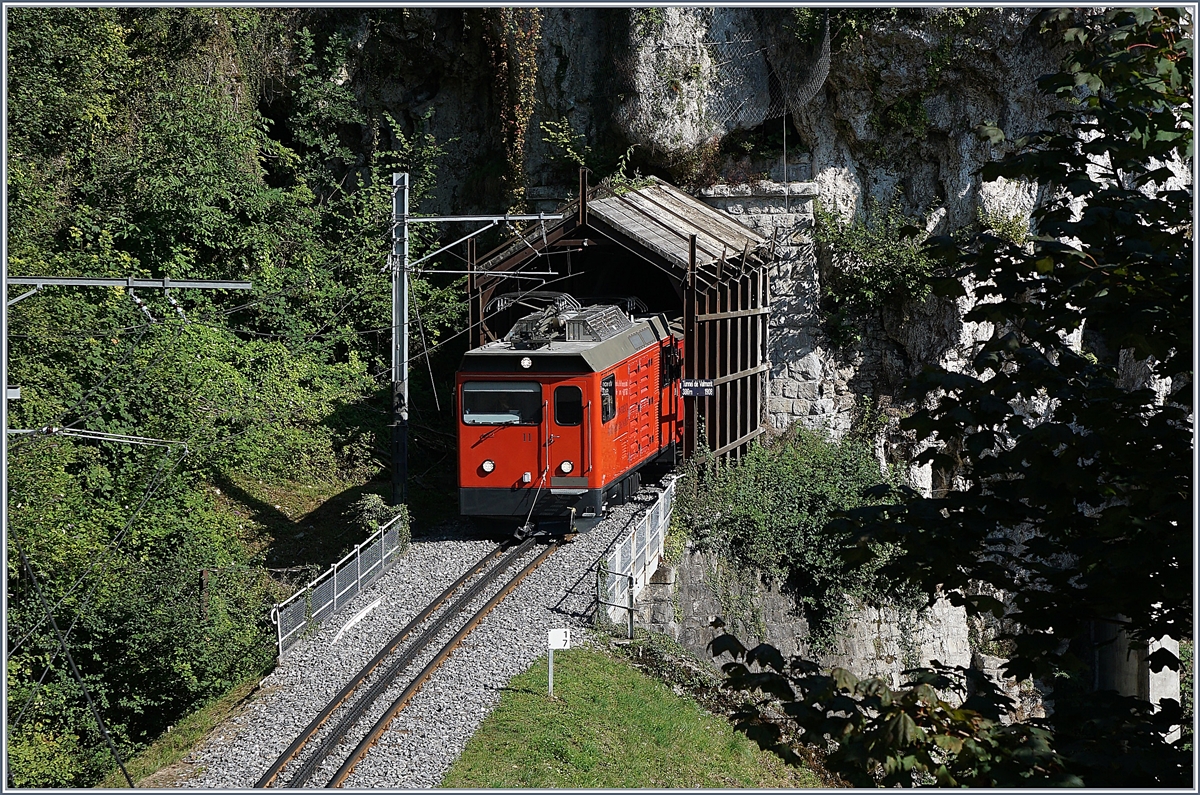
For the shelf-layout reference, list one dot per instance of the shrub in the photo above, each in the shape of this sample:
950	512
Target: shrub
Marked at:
371	512
873	260
771	510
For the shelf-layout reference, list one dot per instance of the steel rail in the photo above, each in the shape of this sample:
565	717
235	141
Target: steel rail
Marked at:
298	745
354	714
402	700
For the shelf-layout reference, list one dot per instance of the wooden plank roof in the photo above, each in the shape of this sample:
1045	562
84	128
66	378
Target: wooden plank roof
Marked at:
658	218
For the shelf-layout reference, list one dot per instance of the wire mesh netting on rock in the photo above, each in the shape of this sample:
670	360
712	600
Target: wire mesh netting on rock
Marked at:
682	87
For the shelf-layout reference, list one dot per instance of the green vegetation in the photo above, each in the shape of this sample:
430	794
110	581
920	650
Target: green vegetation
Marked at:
849	24
609	726
647	21
179	740
845	24
1187	689
568	143
570	152
371	512
1013	228
905	116
931	731
771	510
874	260
904	120
514	35
203	143
1072	495
621	182
764	141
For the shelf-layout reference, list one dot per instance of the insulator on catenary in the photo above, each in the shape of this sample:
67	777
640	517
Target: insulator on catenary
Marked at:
142	306
175	305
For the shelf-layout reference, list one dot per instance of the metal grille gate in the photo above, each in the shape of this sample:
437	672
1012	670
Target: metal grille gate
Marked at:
725	326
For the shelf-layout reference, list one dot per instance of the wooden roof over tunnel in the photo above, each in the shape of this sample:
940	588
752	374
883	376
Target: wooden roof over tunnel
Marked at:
655	222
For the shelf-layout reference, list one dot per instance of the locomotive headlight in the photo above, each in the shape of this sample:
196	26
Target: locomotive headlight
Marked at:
526	362
488	465
567	466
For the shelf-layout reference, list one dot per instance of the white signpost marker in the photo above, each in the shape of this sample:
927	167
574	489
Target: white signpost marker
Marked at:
556	639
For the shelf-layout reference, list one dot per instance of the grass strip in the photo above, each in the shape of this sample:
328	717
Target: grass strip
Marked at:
610	726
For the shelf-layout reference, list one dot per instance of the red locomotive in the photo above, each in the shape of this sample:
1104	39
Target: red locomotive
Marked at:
557	420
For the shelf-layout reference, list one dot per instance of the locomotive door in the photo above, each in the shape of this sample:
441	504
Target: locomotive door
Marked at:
567	456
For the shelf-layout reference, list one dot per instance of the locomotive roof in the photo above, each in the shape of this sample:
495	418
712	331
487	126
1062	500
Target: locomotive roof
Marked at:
559	355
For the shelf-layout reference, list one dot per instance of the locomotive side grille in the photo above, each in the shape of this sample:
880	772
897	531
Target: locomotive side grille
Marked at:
596	324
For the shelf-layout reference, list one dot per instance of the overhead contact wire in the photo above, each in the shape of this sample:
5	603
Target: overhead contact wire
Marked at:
74	668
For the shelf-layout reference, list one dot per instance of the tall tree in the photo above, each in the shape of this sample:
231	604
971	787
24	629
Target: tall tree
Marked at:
1069	443
141	142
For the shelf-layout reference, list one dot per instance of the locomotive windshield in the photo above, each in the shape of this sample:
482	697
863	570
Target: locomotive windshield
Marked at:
501	403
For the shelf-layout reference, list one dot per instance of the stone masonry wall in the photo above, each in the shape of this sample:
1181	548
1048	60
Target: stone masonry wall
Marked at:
805	385
681	601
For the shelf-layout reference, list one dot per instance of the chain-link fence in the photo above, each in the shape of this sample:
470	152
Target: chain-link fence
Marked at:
633	558
334	589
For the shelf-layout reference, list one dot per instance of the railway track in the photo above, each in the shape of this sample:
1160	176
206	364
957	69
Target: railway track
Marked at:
501	560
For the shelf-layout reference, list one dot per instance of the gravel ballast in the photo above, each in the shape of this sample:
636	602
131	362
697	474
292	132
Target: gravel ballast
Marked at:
431	731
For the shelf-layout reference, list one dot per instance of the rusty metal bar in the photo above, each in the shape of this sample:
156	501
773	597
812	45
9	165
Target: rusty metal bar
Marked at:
711	414
583	196
741	374
523	255
691	360
733	313
763	283
736	443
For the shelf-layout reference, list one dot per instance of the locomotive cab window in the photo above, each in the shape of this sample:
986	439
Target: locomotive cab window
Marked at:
568	405
501	403
608	398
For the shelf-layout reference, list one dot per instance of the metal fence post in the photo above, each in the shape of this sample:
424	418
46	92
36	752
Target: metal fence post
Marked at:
315	613
278	629
631	607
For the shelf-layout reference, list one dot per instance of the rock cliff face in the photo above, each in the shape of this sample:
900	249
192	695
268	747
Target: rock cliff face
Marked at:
681	600
894	120
903	94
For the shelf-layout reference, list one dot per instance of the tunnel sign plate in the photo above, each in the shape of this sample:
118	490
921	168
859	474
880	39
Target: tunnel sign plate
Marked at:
559	639
697	387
